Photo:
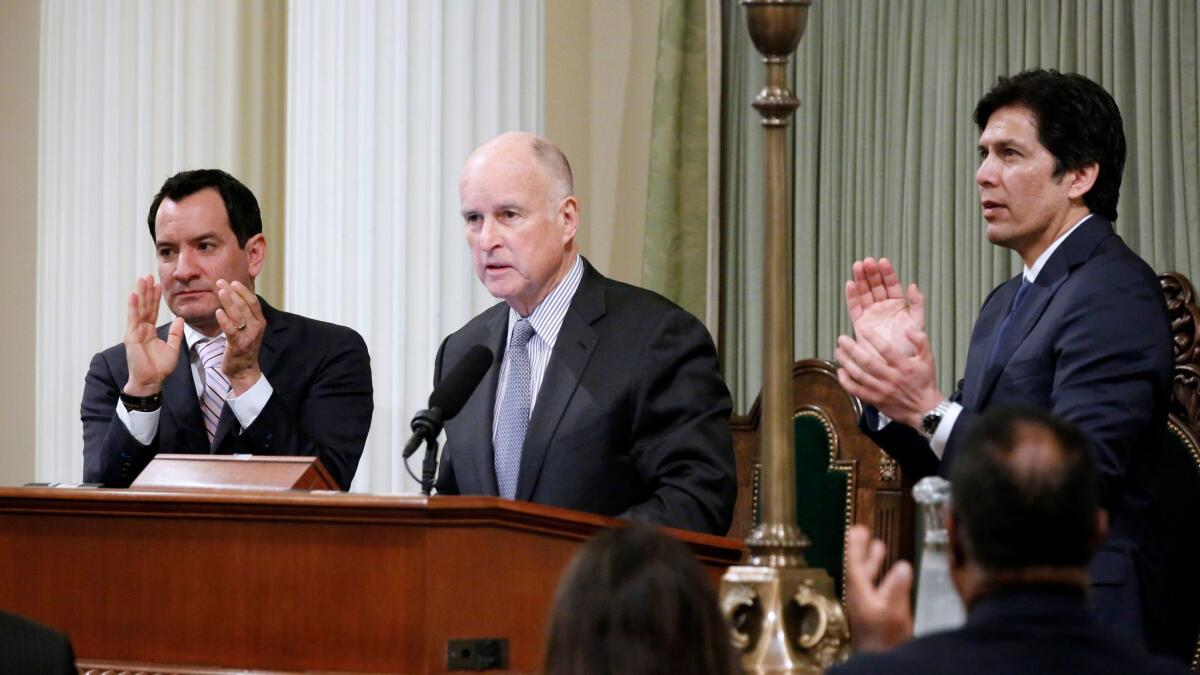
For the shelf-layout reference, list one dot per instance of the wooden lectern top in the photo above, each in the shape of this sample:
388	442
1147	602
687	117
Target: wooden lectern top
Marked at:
235	472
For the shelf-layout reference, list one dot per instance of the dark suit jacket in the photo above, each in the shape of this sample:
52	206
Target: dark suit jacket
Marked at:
1090	342
631	420
30	647
321	404
1037	629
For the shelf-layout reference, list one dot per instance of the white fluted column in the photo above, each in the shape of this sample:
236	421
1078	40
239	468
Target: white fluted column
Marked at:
385	102
131	92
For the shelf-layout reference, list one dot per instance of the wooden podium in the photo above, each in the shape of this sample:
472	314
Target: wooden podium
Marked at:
179	581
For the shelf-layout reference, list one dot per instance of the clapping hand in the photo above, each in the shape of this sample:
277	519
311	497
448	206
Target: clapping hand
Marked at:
877	303
151	359
241	319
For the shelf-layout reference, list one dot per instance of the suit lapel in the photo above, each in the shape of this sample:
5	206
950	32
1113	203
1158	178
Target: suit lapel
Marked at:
572	351
273	345
1074	251
180	403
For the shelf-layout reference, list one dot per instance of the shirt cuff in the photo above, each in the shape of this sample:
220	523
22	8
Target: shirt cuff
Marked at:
247	407
942	435
143	426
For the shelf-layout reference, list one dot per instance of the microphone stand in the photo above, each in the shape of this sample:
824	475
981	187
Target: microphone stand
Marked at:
429	466
426	425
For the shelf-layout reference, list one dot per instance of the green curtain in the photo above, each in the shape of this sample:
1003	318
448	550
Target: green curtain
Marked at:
885	154
674	261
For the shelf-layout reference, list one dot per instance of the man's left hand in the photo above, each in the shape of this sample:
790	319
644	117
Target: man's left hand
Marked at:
880	615
241	319
900	385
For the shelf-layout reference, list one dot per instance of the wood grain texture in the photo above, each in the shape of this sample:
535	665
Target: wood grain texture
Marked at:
234	472
291	581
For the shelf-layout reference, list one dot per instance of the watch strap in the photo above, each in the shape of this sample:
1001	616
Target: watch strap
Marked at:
141	403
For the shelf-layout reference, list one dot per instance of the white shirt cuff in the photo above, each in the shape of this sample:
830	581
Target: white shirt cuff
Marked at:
247	407
143	426
881	420
942	435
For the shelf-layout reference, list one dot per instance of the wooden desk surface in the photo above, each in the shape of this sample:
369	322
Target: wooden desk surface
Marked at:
291	581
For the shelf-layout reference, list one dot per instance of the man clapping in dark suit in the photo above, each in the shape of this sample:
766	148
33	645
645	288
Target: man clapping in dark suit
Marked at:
604	397
1082	331
230	374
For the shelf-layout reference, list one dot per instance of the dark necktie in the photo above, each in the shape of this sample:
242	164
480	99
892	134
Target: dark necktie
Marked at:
1004	325
514	411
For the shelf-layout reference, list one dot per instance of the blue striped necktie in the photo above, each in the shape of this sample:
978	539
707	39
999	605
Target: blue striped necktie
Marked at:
216	385
1012	309
514	411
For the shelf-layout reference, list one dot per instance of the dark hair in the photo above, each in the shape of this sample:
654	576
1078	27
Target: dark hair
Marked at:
240	205
1025	491
634	601
1077	121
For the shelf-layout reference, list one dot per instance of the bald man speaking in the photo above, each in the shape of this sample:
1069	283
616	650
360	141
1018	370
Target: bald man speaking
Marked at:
604	397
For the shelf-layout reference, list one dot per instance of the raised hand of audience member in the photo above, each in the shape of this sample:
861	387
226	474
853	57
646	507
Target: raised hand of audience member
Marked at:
880	614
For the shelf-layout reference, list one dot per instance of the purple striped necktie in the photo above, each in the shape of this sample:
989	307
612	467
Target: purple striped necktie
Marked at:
216	385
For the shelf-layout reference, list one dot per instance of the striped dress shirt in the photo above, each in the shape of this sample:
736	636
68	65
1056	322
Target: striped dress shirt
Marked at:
546	319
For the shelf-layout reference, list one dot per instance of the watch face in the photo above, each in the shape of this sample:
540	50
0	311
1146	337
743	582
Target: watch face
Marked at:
929	424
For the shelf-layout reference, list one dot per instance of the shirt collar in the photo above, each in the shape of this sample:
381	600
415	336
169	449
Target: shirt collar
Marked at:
547	317
194	337
1031	272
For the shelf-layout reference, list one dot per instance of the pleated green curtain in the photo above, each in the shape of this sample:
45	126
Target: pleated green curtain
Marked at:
675	258
885	152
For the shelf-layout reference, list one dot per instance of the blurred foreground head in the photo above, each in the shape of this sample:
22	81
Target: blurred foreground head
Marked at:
1026	494
634	601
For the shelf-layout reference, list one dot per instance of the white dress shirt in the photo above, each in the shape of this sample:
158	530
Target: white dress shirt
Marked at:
143	426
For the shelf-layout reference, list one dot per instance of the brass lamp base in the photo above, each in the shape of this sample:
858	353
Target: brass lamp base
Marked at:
784	620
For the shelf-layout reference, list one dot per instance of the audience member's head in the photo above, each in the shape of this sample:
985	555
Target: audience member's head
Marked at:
1025	498
1024	509
1077	121
634	601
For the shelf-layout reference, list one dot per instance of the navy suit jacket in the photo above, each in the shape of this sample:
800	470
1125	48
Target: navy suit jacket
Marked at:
1091	343
1032	629
320	406
29	647
631	420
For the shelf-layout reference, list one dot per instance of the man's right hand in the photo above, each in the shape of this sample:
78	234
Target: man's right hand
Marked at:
877	303
150	358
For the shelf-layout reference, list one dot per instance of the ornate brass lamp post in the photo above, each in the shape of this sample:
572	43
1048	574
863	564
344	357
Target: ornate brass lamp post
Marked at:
784	613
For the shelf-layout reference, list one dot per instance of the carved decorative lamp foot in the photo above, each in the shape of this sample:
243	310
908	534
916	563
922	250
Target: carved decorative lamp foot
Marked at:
785	615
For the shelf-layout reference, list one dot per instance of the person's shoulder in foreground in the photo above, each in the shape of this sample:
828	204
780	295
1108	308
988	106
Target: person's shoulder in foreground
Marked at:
30	647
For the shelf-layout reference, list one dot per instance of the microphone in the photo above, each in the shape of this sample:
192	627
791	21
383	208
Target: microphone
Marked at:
449	396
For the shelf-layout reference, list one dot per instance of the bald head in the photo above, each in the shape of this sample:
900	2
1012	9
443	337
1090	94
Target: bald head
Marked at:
523	147
1026	493
520	216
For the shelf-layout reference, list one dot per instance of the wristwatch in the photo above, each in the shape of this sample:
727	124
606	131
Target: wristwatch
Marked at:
141	403
931	420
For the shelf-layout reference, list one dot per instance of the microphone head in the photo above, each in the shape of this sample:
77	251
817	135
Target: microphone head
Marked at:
457	386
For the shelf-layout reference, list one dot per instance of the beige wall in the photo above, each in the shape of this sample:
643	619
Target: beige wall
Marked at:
600	57
19	26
